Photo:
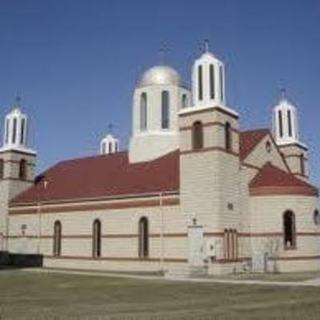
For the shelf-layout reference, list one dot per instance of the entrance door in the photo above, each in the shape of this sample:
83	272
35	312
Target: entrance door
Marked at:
196	246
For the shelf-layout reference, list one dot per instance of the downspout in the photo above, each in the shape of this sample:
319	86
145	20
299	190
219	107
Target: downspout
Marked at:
39	231
161	233
45	183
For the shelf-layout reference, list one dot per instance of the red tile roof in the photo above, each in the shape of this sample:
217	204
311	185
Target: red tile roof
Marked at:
103	176
113	175
272	180
250	139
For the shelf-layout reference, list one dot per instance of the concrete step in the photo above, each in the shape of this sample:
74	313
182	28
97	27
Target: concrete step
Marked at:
186	272
198	271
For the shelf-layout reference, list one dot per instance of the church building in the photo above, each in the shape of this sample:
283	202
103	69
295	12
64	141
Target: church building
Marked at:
193	194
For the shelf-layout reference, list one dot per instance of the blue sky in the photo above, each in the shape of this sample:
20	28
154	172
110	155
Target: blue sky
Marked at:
75	63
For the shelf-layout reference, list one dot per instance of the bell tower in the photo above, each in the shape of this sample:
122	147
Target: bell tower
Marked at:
286	133
109	144
17	161
208	80
209	155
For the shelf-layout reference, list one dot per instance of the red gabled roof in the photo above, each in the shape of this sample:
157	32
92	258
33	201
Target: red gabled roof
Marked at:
104	176
113	176
272	180
250	139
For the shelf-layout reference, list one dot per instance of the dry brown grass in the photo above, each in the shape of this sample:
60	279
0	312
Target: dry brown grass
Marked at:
26	295
282	277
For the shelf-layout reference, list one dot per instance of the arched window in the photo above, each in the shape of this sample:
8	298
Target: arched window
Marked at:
316	217
96	239
230	243
212	82
57	232
280	123
289	123
165	110
200	83
228	136
226	244
184	101
197	135
289	230
302	167
22	131
7	131
143	112
268	146
221	83
1	168
104	147
235	245
14	133
143	237
23	169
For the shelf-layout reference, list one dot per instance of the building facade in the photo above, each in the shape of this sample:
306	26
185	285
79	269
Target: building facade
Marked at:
193	192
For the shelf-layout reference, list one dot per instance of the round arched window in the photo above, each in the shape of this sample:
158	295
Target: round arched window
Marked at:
268	146
316	217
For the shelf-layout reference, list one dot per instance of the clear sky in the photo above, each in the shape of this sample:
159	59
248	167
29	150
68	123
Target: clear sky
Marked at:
75	63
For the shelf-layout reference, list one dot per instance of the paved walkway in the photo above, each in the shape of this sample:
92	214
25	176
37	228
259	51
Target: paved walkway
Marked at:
312	282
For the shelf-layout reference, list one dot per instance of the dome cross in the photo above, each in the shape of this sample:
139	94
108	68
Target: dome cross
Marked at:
283	93
110	128
206	45
17	103
162	52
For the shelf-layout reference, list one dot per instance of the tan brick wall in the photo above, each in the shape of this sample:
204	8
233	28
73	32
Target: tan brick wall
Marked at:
11	165
259	156
292	153
213	122
209	180
119	230
266	216
11	186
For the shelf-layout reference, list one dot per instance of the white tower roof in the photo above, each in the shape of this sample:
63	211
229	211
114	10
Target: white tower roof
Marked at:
109	144
285	121
16	130
208	80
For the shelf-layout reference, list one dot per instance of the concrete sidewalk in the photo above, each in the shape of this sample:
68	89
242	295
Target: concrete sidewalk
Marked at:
311	283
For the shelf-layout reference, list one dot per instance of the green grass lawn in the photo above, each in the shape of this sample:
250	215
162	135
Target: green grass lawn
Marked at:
28	295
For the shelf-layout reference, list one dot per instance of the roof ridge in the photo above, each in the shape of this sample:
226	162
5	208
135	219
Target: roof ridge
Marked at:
256	130
94	156
107	155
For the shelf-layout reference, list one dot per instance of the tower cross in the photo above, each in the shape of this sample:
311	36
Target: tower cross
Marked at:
283	93
206	45
110	127
18	99
17	103
162	52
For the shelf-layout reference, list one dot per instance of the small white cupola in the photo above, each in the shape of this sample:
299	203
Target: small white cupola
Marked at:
16	129
285	121
109	144
208	80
